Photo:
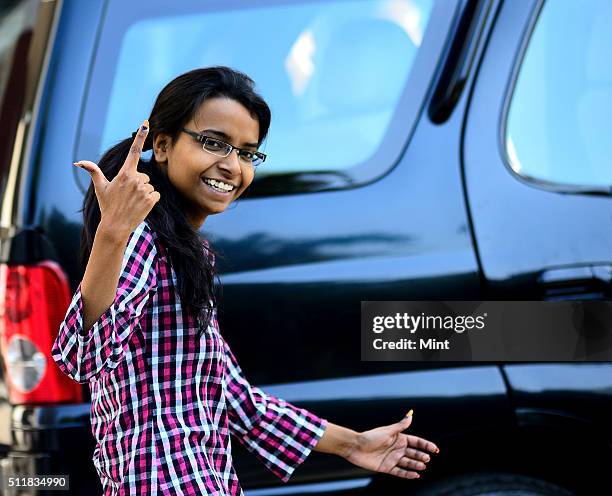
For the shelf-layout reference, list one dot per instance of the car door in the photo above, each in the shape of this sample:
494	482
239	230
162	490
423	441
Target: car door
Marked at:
538	175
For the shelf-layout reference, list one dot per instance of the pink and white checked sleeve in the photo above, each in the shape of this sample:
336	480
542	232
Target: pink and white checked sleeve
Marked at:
280	434
82	353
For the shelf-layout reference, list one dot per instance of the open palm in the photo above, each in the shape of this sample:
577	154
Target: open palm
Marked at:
386	449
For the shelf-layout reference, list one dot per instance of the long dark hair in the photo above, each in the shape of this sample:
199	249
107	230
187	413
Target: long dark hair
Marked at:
177	104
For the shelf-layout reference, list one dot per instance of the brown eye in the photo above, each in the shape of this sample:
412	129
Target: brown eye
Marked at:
213	145
246	155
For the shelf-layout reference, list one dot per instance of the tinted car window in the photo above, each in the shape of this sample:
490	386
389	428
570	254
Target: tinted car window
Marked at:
558	125
333	73
17	21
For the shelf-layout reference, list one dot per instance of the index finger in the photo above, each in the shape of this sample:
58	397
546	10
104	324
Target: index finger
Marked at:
136	149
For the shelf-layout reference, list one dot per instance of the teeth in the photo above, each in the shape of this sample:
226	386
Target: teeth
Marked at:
219	184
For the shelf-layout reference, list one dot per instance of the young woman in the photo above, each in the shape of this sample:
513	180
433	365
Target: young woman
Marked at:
166	390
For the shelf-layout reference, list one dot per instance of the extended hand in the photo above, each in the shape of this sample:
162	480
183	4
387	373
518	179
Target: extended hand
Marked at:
385	449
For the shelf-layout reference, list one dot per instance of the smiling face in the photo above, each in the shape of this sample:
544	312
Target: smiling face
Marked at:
188	165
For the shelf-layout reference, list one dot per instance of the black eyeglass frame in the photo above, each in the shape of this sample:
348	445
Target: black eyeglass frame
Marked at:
202	139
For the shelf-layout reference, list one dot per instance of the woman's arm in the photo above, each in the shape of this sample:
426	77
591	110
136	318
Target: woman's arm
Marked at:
82	352
124	203
101	277
337	440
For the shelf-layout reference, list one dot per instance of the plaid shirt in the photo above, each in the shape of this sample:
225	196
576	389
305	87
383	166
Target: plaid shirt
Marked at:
163	403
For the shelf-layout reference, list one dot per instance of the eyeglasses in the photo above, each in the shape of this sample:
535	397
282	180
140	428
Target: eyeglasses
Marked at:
223	149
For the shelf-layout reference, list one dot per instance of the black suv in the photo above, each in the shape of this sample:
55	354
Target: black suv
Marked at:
419	150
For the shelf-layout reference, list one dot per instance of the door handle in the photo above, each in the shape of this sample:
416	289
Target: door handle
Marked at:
592	281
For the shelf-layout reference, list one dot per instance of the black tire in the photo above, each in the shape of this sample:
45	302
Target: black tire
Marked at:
492	484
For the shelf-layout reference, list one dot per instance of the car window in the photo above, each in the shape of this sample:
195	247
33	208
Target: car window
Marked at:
334	73
558	128
17	20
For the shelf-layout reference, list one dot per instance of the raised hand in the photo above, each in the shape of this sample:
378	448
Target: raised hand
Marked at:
128	198
386	449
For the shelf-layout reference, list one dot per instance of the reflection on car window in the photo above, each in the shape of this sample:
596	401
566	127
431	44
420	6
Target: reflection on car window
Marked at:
332	72
559	128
